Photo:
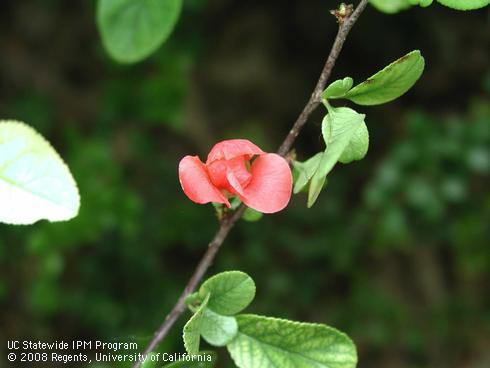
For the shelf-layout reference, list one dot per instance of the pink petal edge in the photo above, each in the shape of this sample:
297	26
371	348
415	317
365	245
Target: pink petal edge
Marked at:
196	184
231	148
270	188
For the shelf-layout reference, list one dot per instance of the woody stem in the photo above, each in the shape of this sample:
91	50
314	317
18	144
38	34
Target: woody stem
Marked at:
346	19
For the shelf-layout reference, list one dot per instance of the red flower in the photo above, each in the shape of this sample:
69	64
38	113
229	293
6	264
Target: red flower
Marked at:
263	184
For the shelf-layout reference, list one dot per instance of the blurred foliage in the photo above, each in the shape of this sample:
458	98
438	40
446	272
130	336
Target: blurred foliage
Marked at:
395	252
133	30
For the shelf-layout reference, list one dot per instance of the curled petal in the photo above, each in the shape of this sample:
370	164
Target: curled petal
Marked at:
229	149
269	190
238	166
196	184
217	173
230	175
234	183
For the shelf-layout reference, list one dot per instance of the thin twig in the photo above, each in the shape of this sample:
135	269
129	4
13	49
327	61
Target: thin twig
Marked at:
205	262
345	25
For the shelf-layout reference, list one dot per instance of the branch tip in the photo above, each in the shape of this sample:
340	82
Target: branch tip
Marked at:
343	12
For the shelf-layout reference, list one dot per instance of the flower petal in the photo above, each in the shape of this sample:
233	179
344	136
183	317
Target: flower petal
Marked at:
231	148
269	190
196	184
234	183
217	174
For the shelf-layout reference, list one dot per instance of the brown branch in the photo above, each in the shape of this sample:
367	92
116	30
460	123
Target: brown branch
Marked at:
205	262
346	21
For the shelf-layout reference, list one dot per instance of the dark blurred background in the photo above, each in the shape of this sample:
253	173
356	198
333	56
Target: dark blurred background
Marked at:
396	250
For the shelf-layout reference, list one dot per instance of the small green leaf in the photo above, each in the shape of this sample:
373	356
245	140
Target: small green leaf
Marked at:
338	128
465	4
252	215
357	147
305	171
264	342
235	202
389	83
208	360
132	30
317	183
338	88
218	330
192	329
358	144
390	6
35	183
231	292
192	299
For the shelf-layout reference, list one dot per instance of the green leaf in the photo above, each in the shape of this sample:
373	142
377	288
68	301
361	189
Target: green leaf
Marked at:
218	330
389	83
231	292
422	3
252	215
192	299
358	144
208	361
317	183
338	88
35	183
305	171
465	4
192	329
394	6
338	128
264	342
132	30
391	6
235	202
